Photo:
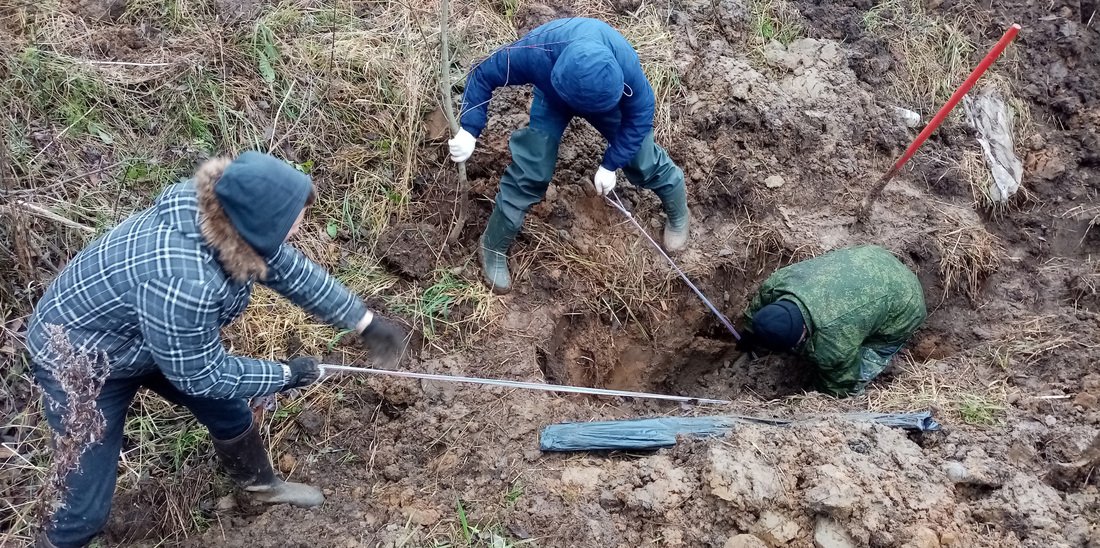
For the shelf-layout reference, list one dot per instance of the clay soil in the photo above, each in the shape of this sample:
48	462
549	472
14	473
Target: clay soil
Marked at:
1007	360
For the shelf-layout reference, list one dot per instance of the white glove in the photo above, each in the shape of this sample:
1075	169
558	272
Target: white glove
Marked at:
604	181
462	146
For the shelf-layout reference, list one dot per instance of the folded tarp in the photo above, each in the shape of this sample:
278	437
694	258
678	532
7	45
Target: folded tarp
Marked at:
651	434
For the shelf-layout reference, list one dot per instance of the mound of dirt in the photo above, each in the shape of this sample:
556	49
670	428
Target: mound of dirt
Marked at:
826	484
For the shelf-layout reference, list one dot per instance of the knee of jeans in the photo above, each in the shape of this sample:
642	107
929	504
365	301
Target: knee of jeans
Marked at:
230	425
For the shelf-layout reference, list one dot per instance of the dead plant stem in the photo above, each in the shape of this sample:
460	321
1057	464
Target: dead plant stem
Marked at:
462	194
47	214
60	135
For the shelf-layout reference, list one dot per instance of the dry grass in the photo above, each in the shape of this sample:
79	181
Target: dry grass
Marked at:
969	254
768	246
619	277
1082	212
648	32
955	388
1084	285
1029	342
274	329
24	468
972	387
934	52
976	173
343	96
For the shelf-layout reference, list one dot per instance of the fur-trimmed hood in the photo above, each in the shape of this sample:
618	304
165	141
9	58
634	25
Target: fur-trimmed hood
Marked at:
236	257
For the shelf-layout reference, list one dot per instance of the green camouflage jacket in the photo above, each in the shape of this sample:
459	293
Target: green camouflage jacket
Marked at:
860	305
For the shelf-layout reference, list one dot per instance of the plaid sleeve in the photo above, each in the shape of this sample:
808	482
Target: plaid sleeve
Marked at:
180	322
307	285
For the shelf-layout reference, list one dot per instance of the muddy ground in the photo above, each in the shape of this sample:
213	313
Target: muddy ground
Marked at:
811	115
404	463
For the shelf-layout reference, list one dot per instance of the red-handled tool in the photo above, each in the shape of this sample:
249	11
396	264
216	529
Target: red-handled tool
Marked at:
998	48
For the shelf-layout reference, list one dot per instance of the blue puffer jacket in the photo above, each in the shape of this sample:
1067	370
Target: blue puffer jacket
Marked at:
531	59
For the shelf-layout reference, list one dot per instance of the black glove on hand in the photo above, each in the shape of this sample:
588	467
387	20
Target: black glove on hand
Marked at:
383	338
304	371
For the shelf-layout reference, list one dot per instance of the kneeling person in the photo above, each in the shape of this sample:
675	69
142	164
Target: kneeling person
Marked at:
848	312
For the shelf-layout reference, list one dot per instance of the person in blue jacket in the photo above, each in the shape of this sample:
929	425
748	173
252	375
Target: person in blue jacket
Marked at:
578	67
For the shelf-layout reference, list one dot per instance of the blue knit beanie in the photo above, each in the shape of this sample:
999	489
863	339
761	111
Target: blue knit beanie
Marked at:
588	77
262	196
778	326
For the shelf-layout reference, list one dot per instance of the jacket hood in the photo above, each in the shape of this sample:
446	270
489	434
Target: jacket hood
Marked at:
237	258
588	77
262	196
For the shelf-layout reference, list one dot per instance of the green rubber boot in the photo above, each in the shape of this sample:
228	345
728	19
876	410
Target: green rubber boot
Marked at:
677	227
494	253
652	168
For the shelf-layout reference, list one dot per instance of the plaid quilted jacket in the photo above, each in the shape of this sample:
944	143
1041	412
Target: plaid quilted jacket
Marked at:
154	292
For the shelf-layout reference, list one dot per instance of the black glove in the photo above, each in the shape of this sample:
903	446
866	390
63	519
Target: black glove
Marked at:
745	344
303	372
383	339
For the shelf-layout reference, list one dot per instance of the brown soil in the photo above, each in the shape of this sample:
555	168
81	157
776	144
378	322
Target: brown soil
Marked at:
395	456
810	115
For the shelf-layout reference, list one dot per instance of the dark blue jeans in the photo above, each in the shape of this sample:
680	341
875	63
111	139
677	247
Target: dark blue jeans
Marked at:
89	490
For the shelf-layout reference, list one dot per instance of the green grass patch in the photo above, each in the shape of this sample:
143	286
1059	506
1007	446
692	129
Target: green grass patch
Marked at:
432	308
978	410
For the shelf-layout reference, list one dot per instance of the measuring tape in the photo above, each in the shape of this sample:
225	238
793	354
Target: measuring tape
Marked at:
519	384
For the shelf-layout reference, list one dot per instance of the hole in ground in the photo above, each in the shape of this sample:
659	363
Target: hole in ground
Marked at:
700	362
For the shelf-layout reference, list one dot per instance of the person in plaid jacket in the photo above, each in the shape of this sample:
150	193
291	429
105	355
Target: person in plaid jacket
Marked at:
152	295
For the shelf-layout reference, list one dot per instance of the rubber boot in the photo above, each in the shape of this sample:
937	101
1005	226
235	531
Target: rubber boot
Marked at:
494	253
42	541
652	168
677	227
246	461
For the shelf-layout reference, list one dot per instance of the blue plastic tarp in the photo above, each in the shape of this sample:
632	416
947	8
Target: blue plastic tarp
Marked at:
656	433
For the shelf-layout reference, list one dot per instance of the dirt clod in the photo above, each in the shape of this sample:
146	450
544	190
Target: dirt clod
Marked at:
287	463
744	541
829	534
310	421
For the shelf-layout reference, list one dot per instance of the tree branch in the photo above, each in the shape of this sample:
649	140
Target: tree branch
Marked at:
462	194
